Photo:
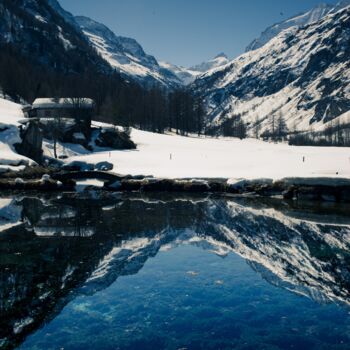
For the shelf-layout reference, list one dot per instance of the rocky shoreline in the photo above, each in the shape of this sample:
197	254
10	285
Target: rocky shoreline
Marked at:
50	179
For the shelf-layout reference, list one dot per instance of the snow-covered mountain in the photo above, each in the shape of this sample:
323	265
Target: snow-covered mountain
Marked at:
126	55
299	20
38	30
65	14
188	75
303	74
218	61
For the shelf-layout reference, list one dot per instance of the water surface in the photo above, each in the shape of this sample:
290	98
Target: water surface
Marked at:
136	272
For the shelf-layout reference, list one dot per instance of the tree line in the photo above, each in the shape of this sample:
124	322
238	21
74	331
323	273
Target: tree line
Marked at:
335	135
118	101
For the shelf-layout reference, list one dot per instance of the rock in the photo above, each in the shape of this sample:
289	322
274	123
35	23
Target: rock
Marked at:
32	141
35	185
344	195
104	166
78	166
19	181
289	193
45	178
116	186
196	186
216	186
154	185
131	185
307	193
113	138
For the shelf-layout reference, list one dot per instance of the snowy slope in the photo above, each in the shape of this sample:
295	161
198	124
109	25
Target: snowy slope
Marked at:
185	75
188	75
218	61
126	55
42	32
300	20
302	74
297	21
10	115
221	158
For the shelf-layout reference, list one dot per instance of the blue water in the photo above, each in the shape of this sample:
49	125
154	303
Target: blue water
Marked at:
191	298
163	272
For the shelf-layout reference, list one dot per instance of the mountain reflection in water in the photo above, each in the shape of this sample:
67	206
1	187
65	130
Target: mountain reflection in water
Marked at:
55	249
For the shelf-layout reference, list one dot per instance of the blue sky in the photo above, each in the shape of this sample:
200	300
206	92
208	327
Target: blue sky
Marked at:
187	32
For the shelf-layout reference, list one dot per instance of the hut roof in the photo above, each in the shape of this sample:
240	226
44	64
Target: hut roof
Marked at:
68	102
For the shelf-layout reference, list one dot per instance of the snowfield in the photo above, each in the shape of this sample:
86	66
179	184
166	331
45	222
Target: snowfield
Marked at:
172	156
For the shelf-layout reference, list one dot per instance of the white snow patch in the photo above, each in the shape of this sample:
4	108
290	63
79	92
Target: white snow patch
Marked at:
173	156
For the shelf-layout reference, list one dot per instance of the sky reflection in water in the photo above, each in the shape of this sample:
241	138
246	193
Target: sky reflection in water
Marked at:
189	274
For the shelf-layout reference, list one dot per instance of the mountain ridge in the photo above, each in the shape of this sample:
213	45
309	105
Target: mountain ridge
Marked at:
299	20
301	74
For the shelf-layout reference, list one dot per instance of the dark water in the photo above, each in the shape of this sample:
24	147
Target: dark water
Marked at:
136	272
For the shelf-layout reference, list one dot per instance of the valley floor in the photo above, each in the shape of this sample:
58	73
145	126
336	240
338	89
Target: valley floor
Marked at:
173	156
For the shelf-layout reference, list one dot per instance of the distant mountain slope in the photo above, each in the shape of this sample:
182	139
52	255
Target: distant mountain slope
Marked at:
299	20
65	14
188	75
126	55
185	75
303	74
40	33
218	61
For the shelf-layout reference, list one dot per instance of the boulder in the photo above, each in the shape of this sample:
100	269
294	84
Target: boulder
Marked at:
196	186
78	166
32	141
344	195
217	186
104	166
154	185
114	138
131	185
289	193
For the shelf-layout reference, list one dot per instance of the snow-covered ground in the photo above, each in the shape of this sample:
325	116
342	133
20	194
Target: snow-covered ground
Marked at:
173	156
10	115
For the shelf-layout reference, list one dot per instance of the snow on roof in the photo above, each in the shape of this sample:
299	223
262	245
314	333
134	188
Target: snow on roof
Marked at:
67	102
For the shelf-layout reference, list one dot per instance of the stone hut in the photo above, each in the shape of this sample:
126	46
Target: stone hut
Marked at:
74	113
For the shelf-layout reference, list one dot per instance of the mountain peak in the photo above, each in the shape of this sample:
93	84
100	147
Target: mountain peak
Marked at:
126	55
294	74
221	55
300	20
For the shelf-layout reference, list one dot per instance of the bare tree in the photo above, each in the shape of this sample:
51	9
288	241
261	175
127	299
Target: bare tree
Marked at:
257	128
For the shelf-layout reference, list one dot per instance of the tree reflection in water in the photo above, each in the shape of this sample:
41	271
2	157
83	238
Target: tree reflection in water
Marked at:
53	249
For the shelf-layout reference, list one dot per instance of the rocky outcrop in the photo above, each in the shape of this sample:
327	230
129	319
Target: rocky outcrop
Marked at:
32	141
114	138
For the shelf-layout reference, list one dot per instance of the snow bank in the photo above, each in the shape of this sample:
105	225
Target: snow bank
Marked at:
10	214
10	115
172	156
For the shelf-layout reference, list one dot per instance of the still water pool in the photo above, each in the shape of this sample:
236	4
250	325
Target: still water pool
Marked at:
136	272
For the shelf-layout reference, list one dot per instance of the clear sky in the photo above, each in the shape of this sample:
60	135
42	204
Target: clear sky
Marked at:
187	32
